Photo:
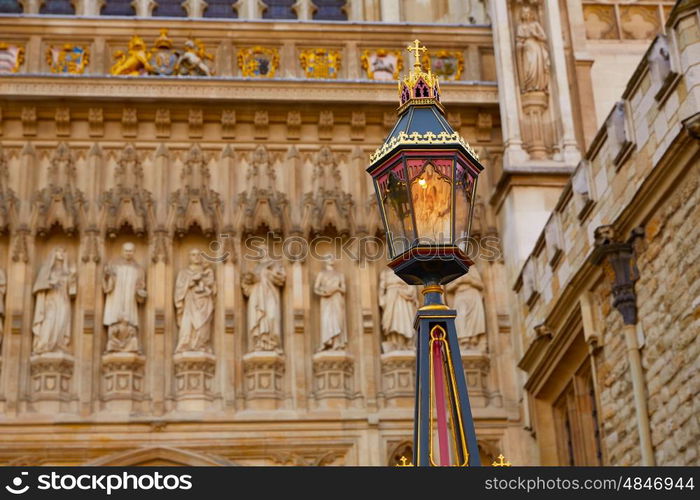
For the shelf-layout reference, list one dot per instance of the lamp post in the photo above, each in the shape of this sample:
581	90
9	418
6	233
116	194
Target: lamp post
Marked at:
425	177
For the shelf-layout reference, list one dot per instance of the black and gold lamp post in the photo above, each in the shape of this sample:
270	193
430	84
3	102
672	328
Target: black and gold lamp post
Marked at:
425	177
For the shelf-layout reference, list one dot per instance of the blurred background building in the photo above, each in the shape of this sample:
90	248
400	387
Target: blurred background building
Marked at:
242	130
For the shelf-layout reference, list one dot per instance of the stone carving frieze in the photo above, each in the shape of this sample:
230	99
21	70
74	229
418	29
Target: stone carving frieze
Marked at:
195	204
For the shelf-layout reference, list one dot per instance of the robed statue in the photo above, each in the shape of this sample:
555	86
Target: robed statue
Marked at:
330	286
195	290
124	283
54	287
469	304
398	301
264	314
533	56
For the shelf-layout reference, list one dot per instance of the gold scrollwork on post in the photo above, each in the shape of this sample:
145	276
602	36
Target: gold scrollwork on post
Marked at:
68	58
447	64
11	57
320	63
258	62
382	64
501	462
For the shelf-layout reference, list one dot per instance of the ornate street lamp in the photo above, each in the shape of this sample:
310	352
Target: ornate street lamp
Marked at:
425	177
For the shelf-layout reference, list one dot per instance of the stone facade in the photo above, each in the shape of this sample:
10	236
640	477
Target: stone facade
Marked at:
228	137
637	189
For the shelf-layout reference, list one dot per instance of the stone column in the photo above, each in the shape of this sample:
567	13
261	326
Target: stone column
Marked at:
391	11
507	84
333	379
570	153
534	111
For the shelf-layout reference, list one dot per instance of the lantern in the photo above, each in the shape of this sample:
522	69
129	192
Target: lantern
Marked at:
425	177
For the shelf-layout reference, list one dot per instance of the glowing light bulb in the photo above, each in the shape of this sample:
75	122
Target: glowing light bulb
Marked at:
422	183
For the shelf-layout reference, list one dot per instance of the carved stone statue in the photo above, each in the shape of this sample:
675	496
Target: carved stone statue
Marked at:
124	283
135	61
398	302
264	305
330	286
469	304
54	287
533	57
191	62
195	289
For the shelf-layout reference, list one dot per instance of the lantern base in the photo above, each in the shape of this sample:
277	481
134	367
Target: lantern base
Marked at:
426	265
440	378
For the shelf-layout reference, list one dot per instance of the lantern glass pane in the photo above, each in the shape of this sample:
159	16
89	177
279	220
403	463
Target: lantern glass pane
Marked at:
464	193
396	206
431	191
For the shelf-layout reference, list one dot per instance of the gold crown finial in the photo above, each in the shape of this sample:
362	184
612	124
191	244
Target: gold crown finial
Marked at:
416	48
501	462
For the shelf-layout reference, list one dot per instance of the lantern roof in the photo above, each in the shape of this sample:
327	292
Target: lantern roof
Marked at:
421	122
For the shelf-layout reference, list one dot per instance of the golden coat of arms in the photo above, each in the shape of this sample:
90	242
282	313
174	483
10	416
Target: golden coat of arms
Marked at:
68	58
11	57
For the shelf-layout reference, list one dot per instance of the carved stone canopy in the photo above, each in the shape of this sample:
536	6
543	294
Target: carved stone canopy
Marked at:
128	204
60	203
195	204
327	207
261	205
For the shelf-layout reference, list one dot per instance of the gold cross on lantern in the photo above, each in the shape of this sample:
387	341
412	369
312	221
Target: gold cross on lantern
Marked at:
416	49
404	463
501	462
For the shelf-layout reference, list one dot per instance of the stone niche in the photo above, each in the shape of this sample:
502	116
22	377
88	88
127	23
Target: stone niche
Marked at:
51	375
333	379
194	374
399	378
263	372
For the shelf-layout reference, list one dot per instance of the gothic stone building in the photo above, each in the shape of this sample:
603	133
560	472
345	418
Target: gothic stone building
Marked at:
185	216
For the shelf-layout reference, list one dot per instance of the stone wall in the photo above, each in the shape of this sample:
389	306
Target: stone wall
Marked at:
639	176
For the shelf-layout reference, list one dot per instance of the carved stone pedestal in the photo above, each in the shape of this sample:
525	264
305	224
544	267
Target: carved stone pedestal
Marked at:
194	372
263	379
333	372
476	371
51	379
122	374
399	378
536	133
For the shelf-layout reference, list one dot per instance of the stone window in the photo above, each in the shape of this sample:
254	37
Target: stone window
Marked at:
220	9
576	421
169	8
330	10
61	7
279	9
118	8
10	7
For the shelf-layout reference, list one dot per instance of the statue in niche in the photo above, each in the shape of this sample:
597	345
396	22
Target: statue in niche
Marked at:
330	286
195	290
264	305
124	283
398	302
54	287
533	57
469	304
